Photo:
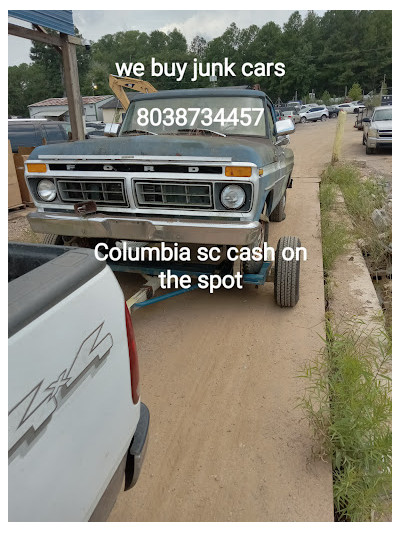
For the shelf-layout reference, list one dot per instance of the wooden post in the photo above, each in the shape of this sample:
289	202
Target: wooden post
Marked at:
337	144
72	88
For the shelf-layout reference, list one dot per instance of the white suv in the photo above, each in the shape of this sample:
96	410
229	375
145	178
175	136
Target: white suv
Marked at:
313	114
349	107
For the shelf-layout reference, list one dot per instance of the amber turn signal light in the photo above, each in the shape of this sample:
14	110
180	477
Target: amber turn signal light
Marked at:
238	172
36	167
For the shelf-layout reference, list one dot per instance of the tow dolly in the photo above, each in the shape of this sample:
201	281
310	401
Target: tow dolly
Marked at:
284	272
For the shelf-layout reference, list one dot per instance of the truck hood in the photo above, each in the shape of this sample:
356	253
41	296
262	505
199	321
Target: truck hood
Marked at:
382	125
259	151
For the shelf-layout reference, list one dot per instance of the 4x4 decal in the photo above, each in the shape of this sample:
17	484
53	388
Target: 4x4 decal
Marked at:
36	408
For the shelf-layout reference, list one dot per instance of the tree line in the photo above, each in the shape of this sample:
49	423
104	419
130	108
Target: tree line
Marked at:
324	54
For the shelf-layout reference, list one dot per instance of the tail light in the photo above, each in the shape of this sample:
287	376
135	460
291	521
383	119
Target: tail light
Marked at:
133	358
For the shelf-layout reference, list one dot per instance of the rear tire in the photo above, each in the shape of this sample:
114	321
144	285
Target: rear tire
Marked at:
334	115
323	118
287	274
50	238
278	214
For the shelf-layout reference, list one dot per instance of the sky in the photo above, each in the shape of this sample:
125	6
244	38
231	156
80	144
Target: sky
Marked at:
209	24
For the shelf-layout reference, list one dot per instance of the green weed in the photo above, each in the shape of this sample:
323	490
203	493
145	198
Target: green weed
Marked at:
335	235
348	403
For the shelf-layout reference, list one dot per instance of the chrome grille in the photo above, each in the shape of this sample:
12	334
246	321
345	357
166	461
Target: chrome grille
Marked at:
385	133
103	192
167	194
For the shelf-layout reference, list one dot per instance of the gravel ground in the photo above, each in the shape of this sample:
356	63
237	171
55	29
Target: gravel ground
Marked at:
18	226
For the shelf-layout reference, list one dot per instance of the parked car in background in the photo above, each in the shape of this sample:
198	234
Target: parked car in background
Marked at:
357	106
348	107
35	132
313	114
333	111
386	99
378	129
290	112
294	103
94	129
305	107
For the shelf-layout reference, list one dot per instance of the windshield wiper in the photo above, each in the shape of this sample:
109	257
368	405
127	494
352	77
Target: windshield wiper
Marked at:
202	129
139	131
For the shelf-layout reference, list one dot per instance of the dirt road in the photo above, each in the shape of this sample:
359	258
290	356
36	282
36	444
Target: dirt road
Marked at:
218	373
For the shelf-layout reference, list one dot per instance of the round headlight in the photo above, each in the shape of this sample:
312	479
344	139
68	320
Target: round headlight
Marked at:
233	197
46	189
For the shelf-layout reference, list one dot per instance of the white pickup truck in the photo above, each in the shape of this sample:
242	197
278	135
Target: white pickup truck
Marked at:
76	423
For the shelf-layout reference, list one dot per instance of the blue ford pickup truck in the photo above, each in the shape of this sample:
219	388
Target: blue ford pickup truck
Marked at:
199	166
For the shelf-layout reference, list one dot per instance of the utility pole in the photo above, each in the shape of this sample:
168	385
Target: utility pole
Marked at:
383	84
72	87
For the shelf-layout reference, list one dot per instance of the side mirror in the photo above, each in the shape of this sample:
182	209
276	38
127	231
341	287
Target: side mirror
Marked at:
366	119
111	130
284	127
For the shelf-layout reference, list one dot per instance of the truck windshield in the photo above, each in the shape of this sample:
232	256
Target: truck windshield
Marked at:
201	115
383	114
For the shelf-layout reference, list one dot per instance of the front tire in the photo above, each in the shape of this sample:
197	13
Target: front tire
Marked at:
278	214
287	274
303	120
50	238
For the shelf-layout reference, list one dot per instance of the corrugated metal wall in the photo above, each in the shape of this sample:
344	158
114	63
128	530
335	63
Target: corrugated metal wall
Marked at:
56	20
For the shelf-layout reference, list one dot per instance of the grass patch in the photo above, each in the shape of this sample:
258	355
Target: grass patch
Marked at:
362	196
348	404
335	235
335	239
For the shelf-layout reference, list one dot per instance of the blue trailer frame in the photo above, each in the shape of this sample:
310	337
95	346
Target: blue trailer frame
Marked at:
177	269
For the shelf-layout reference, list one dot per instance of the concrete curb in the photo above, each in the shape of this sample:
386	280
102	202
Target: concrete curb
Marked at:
353	293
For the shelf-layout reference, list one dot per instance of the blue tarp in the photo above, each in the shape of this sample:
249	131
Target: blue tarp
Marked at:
56	20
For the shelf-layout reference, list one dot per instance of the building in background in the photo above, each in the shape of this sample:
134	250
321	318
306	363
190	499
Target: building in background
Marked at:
57	108
113	111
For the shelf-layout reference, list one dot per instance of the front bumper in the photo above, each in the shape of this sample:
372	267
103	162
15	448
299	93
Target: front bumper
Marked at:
373	142
192	231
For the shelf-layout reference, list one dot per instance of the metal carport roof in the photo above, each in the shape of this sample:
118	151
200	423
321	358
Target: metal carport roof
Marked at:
56	20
